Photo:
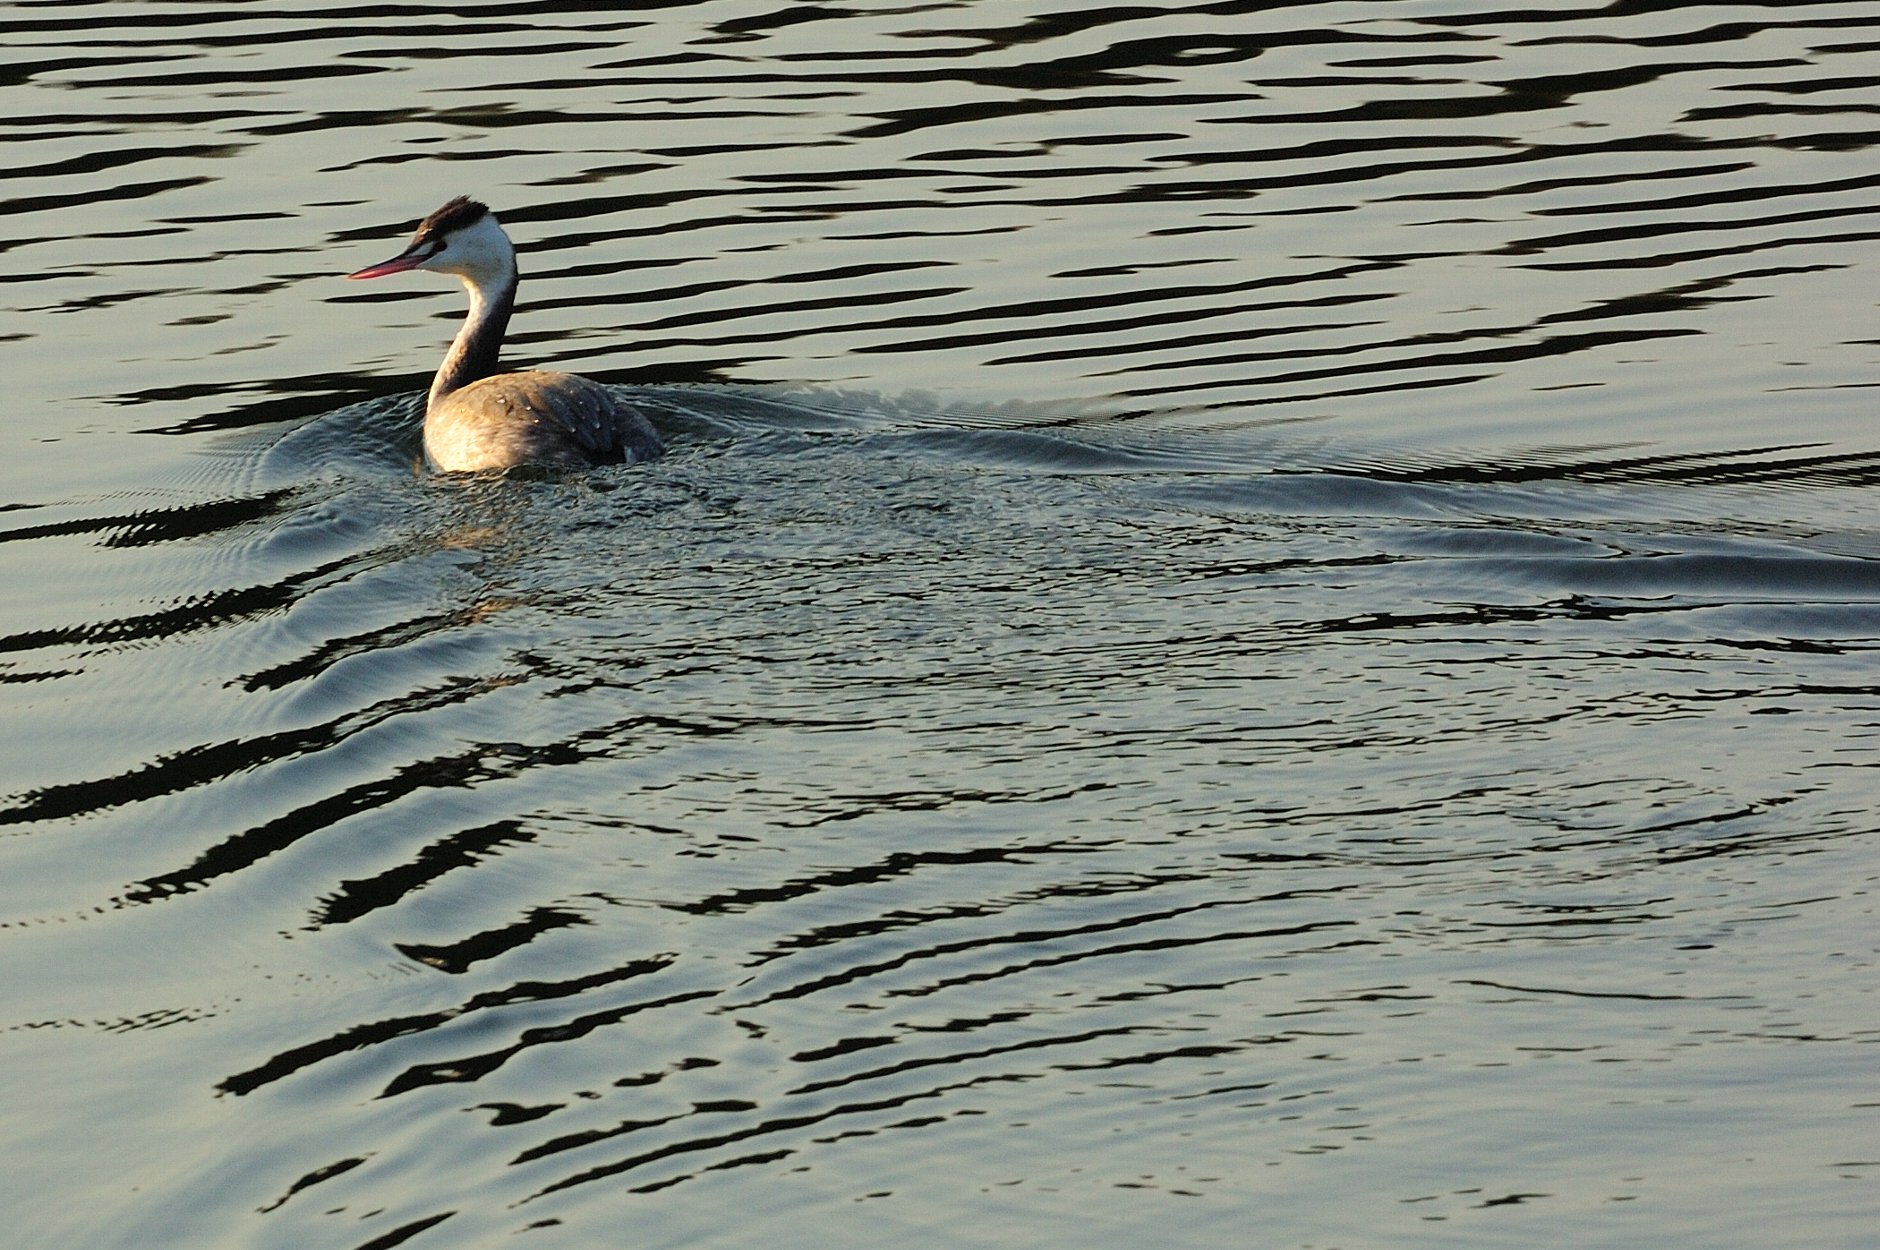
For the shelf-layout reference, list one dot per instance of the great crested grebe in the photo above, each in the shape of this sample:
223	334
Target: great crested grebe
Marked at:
477	418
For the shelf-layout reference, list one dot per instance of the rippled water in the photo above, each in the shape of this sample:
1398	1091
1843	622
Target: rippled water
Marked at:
1259	629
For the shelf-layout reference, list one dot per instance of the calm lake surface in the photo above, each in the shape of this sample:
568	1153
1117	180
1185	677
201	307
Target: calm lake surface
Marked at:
1259	629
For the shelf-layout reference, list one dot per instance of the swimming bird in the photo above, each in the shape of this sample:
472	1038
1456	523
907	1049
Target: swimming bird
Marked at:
477	418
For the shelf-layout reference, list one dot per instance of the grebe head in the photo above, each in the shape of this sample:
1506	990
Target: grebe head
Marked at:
461	238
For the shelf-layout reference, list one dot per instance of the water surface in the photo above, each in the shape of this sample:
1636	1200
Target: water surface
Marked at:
1259	624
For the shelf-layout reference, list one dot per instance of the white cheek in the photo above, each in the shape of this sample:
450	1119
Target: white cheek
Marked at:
481	254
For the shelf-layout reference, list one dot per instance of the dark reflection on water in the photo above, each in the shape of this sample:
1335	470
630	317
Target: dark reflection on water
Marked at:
1258	617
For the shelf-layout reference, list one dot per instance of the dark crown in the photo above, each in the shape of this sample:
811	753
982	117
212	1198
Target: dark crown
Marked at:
454	216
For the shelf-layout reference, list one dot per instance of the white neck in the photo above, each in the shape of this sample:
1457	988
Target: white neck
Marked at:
473	353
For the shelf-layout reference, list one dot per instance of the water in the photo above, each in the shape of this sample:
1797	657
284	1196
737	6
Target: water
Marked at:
1259	628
